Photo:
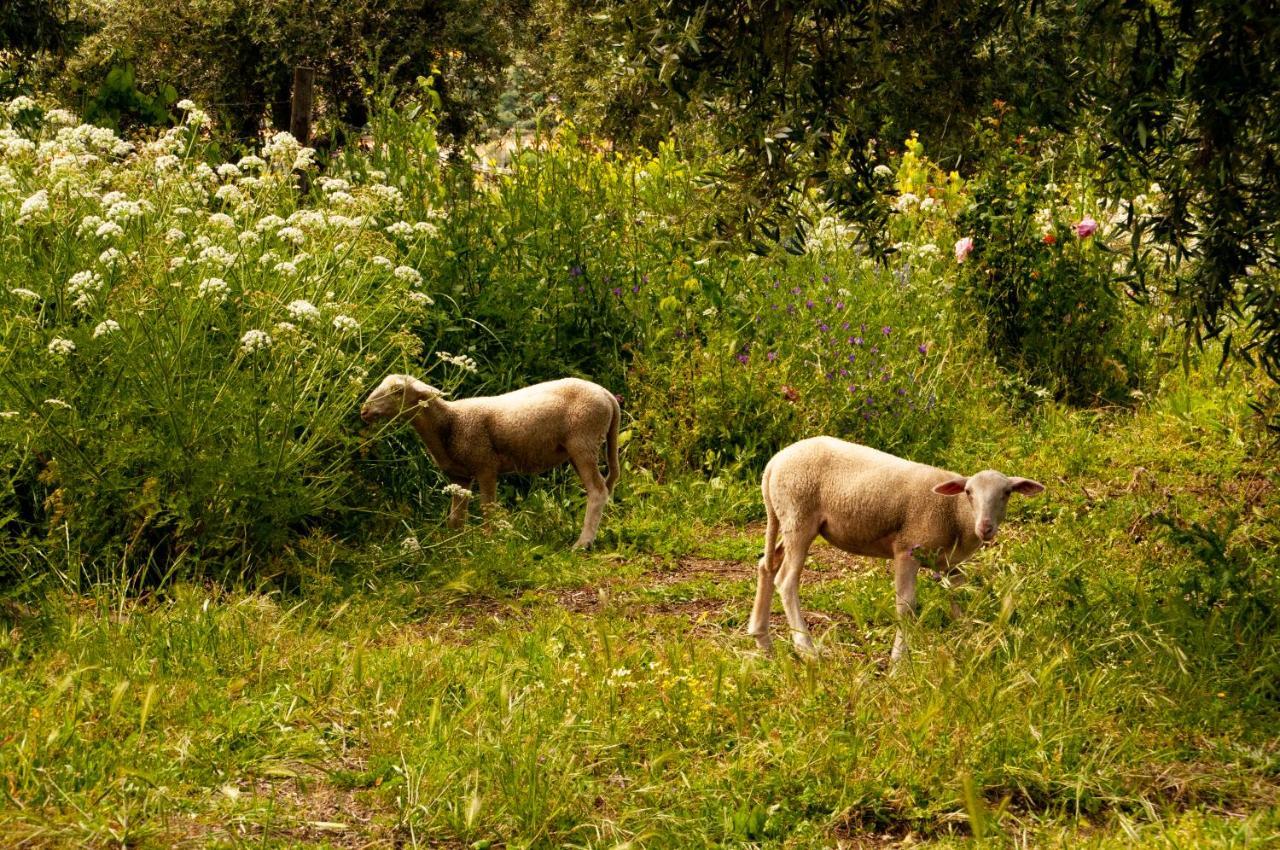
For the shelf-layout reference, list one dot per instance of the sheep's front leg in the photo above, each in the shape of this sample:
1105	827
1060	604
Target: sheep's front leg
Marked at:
588	469
905	568
795	548
458	504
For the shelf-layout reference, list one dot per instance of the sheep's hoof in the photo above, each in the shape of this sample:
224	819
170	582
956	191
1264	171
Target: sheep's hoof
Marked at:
583	545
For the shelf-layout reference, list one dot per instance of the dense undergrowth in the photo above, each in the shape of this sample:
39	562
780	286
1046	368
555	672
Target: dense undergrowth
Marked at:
233	615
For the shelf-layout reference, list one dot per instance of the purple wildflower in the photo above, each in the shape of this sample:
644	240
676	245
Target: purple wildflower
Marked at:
644	278
617	292
809	304
885	330
743	358
822	326
575	271
826	278
771	356
922	348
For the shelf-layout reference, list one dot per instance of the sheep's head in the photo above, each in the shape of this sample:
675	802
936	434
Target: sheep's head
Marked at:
397	396
988	492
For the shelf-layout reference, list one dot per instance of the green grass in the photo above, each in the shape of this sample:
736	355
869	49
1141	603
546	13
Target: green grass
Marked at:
1100	691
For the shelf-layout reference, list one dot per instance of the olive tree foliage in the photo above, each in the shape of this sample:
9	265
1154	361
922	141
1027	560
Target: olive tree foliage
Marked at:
1195	105
236	57
805	93
28	28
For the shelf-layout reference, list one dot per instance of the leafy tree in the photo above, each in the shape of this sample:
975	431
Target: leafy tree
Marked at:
1196	107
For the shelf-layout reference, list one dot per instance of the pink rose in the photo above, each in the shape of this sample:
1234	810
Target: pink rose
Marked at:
1086	227
964	247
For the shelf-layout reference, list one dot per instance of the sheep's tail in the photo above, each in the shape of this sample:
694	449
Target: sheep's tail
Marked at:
771	525
611	446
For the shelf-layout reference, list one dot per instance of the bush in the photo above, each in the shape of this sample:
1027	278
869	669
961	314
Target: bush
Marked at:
1042	275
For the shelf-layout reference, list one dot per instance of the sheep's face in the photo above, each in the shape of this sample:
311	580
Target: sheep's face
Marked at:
988	492
397	396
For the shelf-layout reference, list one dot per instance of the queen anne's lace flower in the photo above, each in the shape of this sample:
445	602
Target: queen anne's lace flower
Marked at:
345	324
213	289
254	341
462	361
61	347
457	490
105	327
409	275
302	310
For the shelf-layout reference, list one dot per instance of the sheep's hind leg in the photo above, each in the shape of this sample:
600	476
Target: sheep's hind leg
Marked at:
758	626
588	468
796	548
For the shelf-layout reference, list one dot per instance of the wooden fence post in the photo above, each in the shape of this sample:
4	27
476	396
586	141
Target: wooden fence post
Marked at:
300	118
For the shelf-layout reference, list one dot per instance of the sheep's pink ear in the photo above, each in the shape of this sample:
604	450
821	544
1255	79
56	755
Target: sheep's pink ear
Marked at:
1026	486
954	487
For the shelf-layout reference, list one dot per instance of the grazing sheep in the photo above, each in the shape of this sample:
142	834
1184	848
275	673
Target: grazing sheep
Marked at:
870	503
529	430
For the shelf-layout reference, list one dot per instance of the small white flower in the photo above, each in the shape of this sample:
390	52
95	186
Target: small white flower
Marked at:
345	324
254	340
186	104
409	275
173	235
177	263
427	227
457	490
213	289
383	263
905	202
882	171
251	161
229	194
109	230
462	361
227	171
286	328
421	299
222	220
61	347
37	203
167	162
26	294
110	257
107	326
292	234
302	310
287	269
216	255
411	544
403	229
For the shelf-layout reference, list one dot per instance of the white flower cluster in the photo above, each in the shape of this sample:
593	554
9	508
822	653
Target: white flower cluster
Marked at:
462	361
409	275
457	490
82	286
105	327
254	341
345	324
213	289
302	310
34	206
61	347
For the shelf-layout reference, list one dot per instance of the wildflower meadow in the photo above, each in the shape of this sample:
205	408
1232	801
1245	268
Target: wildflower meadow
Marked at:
232	614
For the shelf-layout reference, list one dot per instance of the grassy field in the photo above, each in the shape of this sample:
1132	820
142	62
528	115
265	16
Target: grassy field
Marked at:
1113	682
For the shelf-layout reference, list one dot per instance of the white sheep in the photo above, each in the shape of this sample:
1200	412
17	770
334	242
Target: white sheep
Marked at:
869	503
529	430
